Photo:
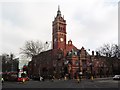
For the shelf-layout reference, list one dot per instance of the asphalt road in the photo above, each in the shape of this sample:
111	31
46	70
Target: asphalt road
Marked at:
96	83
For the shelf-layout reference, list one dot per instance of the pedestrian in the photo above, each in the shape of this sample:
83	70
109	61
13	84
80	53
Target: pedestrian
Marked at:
52	78
65	78
23	80
78	80
2	80
41	78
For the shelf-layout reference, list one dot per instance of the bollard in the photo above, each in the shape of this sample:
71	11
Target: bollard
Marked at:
92	78
78	80
65	78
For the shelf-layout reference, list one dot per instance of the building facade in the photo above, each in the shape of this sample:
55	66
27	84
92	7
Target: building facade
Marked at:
9	64
64	59
10	67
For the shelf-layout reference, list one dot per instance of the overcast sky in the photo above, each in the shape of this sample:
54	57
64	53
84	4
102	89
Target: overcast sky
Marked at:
90	23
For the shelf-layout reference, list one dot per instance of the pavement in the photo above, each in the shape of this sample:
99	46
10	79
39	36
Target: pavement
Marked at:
106	78
96	83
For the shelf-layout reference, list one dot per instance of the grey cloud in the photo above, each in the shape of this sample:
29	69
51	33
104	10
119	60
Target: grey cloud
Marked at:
34	21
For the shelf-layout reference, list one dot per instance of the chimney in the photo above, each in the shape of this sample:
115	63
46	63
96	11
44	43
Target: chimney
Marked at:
69	42
92	53
96	53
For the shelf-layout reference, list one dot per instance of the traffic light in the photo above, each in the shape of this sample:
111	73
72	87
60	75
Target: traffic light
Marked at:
24	68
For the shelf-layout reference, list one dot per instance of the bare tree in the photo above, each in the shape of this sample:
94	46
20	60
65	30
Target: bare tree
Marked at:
109	50
116	51
32	48
112	53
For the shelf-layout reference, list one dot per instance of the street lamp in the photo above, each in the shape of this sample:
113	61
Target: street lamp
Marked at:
91	65
46	47
11	57
66	68
59	56
79	71
47	44
39	69
101	71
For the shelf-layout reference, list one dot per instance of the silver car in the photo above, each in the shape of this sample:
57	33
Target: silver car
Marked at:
116	77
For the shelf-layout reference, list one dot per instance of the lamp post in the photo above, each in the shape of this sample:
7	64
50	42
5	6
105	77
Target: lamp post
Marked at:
91	65
79	71
91	70
58	57
46	47
12	67
66	70
39	70
100	70
47	44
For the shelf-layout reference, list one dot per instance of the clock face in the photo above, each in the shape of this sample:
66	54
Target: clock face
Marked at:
61	39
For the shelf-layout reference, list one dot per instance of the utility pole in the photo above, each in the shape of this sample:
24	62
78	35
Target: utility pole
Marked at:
11	57
91	65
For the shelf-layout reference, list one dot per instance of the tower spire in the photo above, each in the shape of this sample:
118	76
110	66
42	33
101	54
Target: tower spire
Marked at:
58	12
58	8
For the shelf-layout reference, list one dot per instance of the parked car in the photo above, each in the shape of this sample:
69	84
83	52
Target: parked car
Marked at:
116	77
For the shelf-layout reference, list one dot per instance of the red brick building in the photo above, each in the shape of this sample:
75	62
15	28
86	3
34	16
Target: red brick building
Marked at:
64	59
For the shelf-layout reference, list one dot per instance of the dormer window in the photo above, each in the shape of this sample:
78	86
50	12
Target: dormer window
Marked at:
69	42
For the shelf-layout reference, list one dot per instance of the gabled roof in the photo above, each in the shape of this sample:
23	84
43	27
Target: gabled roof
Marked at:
70	47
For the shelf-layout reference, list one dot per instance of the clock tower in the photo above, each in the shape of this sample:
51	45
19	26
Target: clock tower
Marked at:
59	31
